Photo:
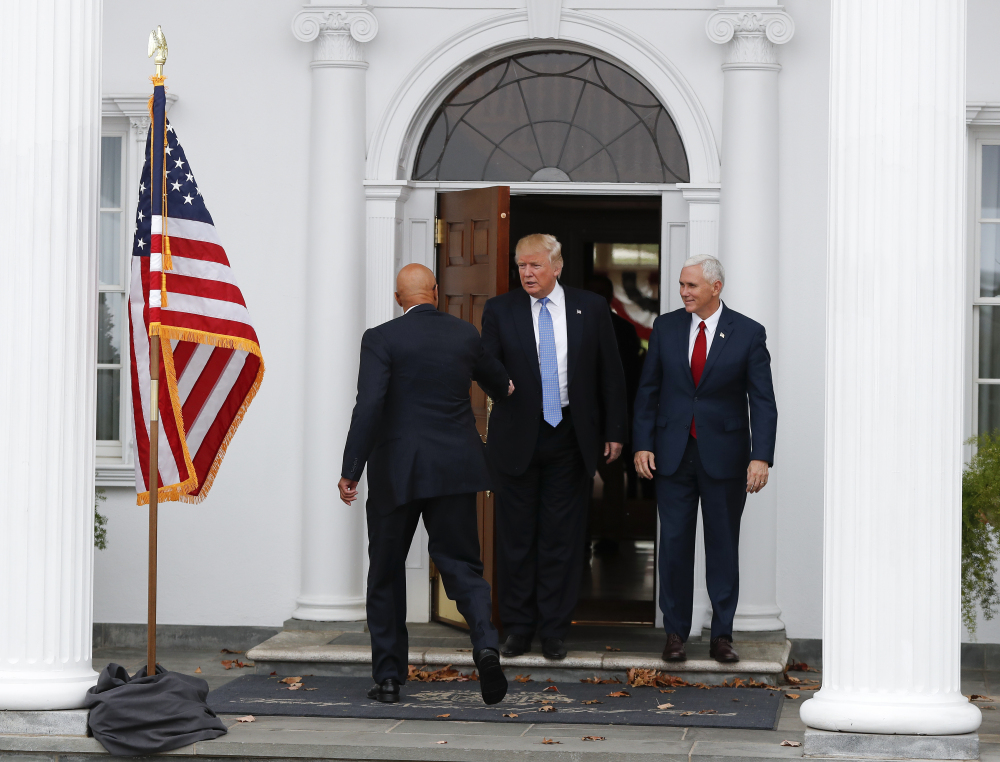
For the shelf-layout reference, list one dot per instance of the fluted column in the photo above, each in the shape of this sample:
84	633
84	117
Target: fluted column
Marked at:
894	359
333	537
748	248
50	108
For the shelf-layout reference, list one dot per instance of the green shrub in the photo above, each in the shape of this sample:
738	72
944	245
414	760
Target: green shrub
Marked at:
981	530
100	521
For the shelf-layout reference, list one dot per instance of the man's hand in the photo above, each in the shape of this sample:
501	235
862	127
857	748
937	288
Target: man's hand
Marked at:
348	490
510	388
756	476
645	464
612	450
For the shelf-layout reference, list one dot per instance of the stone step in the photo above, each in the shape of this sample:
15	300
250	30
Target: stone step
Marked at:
297	652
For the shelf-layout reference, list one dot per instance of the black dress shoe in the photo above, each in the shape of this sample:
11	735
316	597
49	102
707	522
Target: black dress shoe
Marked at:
674	649
553	648
387	691
722	650
515	645
492	682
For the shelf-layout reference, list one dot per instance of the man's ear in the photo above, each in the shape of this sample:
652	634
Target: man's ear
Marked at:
437	299
398	300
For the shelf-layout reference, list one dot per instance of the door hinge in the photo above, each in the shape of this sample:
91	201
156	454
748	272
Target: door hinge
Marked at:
438	231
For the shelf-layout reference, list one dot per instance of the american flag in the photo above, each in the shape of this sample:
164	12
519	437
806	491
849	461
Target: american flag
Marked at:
184	294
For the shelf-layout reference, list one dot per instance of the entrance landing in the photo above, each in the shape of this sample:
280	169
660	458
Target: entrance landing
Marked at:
601	651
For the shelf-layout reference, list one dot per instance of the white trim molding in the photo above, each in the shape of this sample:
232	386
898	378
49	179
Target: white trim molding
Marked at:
544	17
752	34
394	142
982	113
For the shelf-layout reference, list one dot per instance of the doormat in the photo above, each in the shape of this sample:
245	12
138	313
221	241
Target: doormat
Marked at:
534	702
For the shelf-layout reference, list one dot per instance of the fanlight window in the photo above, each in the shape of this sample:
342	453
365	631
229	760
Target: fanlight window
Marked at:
552	116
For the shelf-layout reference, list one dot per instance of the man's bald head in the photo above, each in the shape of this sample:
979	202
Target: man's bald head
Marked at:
415	285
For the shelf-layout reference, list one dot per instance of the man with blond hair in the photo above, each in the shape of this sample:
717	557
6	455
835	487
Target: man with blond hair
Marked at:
705	424
558	345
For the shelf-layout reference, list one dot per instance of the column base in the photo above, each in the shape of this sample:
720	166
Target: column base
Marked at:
335	610
854	713
306	625
758	619
66	722
823	743
33	692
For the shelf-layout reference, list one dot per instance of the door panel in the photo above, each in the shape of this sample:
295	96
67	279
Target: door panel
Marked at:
472	267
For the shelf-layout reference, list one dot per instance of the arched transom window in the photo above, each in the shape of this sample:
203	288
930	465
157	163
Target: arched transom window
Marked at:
552	116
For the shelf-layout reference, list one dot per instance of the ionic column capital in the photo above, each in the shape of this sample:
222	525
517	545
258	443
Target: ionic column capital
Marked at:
751	33
339	32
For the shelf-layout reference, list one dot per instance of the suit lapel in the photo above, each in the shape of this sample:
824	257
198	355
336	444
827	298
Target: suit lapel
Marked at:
525	328
574	331
723	335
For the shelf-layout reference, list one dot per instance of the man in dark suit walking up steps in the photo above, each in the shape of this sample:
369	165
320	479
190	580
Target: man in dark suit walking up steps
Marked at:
414	427
705	424
558	345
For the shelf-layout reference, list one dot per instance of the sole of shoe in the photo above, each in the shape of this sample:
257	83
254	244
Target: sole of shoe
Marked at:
492	682
676	658
388	698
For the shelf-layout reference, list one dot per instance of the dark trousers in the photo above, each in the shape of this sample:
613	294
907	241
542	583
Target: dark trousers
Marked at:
541	521
453	543
722	502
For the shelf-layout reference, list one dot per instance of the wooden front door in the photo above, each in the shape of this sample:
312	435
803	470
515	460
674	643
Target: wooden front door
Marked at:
472	265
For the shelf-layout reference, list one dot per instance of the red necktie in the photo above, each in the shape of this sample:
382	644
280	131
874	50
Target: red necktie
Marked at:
698	363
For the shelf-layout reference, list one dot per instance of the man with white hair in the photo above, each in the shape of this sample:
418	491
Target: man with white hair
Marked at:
704	428
569	409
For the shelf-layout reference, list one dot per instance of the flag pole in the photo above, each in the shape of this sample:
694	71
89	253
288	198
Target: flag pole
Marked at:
157	45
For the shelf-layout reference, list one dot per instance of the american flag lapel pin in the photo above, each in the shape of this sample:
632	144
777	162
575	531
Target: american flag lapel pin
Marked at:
579	312
722	335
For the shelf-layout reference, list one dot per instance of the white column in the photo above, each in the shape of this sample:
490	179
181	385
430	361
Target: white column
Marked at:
385	247
50	108
703	219
748	244
333	535
894	347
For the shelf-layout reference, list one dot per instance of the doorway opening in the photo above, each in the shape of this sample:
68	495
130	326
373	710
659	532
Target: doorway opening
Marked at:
610	245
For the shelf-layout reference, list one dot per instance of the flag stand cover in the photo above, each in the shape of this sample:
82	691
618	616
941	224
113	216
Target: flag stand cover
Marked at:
188	318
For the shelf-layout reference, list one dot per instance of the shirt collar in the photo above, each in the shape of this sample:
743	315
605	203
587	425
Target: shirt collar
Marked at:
711	321
555	297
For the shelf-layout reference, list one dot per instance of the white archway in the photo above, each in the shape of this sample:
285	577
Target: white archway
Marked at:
394	142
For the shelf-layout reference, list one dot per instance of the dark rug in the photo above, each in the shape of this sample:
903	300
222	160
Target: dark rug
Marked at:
753	708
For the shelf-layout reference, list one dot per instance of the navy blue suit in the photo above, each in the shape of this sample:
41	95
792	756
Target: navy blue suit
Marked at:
413	425
736	421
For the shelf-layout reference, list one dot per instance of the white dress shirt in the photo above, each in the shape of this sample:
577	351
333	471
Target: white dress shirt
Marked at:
557	309
711	323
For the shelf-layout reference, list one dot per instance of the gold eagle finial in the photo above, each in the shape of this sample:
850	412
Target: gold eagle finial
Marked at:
157	45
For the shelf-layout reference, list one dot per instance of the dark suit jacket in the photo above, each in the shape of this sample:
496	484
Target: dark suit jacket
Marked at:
733	405
413	423
596	381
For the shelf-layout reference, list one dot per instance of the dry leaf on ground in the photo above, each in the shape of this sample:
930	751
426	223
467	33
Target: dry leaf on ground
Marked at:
444	675
312	689
791	743
799	666
592	701
667	690
663	706
522	678
510	714
288	680
708	711
593	738
619	694
551	688
444	715
549	741
295	687
611	648
792	696
595	680
248	718
442	742
547	708
198	671
686	714
228	651
227	663
792	680
977	697
273	673
991	706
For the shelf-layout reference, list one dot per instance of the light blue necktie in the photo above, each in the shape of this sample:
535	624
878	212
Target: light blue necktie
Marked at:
549	365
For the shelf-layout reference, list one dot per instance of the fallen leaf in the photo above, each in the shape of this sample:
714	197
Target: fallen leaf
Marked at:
686	714
663	706
595	680
792	680
444	715
667	690
549	741
248	718
989	707
792	695
549	680
592	701
444	675
547	708
708	711
799	666
295	687
791	743
274	673
977	697
464	650
227	651
288	680
551	688
312	689
511	714
611	648
735	699
619	694
442	742
593	738
227	663
198	671
522	679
